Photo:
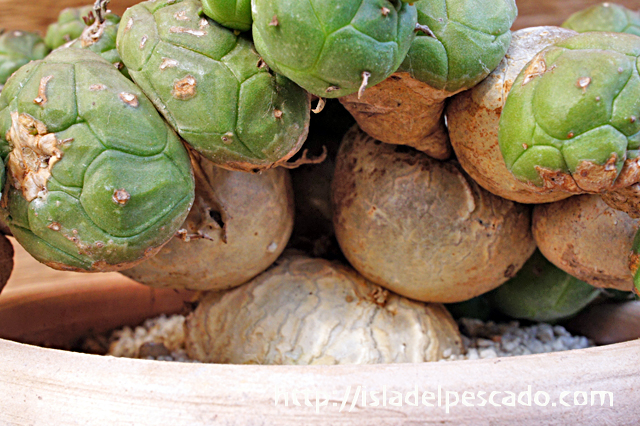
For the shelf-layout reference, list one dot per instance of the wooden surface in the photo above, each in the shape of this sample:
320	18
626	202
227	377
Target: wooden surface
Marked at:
36	15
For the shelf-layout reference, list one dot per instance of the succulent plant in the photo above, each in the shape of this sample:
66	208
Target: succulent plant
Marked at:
461	41
96	180
542	292
605	17
212	87
421	227
234	14
18	48
334	47
586	238
473	118
238	226
311	311
70	24
100	37
571	121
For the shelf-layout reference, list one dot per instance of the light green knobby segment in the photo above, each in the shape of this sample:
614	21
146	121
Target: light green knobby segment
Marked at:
605	17
212	86
467	40
69	25
542	292
97	179
333	48
234	14
100	38
575	103
18	48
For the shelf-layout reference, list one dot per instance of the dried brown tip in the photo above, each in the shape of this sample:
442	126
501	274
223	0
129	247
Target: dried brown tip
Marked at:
181	16
274	21
305	160
42	91
182	30
583	83
318	109
425	29
168	63
185	88
365	82
185	236
536	68
129	99
385	11
121	196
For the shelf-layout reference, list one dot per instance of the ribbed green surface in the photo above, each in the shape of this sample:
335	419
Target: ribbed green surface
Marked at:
234	110
326	45
107	145
583	106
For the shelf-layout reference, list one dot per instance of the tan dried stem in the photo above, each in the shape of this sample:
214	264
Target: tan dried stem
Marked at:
306	160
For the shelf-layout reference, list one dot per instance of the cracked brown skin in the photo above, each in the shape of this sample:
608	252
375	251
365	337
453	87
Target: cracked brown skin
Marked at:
421	227
33	155
238	226
590	178
587	239
404	111
473	118
625	199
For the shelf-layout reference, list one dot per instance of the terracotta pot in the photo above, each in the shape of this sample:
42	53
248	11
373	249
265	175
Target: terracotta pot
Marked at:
55	387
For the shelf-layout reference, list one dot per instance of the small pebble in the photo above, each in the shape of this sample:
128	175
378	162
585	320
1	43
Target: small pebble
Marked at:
491	340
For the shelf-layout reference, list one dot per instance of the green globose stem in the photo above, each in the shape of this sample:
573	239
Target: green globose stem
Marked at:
68	27
574	108
605	17
106	182
17	48
212	86
100	38
459	42
234	14
540	291
329	47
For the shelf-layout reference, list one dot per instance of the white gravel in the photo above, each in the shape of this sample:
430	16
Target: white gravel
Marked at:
163	339
491	340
